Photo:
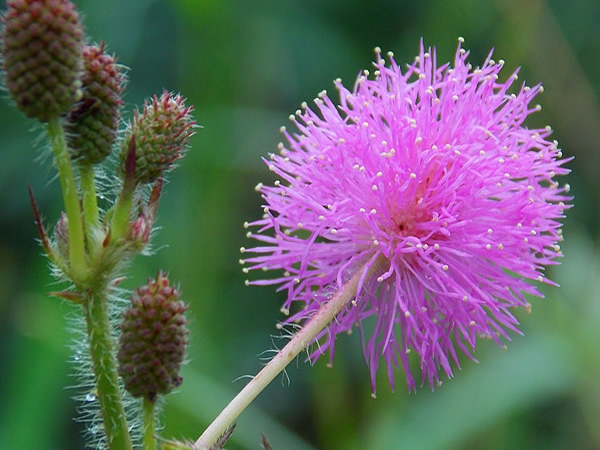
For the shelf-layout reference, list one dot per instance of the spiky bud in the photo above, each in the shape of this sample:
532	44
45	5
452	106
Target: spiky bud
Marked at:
153	340
42	42
162	131
94	120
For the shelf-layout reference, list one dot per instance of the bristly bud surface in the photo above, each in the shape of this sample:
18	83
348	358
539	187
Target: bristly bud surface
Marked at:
42	42
94	120
153	341
162	131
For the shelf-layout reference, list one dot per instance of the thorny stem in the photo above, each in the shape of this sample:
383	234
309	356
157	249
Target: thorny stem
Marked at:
149	425
105	370
77	257
323	317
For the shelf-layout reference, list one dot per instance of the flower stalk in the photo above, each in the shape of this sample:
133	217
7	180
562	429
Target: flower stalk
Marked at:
105	370
120	220
89	201
300	342
149	425
77	257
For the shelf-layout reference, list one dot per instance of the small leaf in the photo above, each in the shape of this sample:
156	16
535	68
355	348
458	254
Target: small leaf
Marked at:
265	443
223	439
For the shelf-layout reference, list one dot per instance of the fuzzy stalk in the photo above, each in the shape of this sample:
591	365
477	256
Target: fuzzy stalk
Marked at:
120	220
89	200
62	159
301	340
122	212
148	407
105	370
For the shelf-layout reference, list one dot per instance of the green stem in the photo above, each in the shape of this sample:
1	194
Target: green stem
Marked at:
149	428
322	318
90	201
119	227
120	220
77	256
105	370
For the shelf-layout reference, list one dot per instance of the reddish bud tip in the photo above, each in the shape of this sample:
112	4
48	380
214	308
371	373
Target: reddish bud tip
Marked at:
161	131
141	227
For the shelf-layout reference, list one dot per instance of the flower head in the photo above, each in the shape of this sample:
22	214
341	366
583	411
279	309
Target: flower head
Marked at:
41	47
161	132
429	183
153	340
94	120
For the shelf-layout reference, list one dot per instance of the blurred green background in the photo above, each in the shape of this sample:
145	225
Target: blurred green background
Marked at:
246	65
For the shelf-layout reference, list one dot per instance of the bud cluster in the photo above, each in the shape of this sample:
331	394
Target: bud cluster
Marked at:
153	340
50	73
76	91
42	42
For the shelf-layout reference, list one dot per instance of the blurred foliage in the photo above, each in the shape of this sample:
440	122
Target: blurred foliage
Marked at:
246	65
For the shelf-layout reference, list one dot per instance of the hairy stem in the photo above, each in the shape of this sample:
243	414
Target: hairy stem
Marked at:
120	221
297	344
105	370
149	425
62	159
90	201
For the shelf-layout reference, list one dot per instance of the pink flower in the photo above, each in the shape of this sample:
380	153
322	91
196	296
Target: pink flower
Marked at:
429	182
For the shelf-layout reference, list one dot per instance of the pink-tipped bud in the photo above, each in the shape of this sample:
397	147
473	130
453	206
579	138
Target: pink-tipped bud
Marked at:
140	228
94	120
42	42
61	236
153	340
162	132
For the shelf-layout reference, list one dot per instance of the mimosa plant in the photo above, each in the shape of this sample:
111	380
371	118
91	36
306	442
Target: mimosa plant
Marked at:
420	202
